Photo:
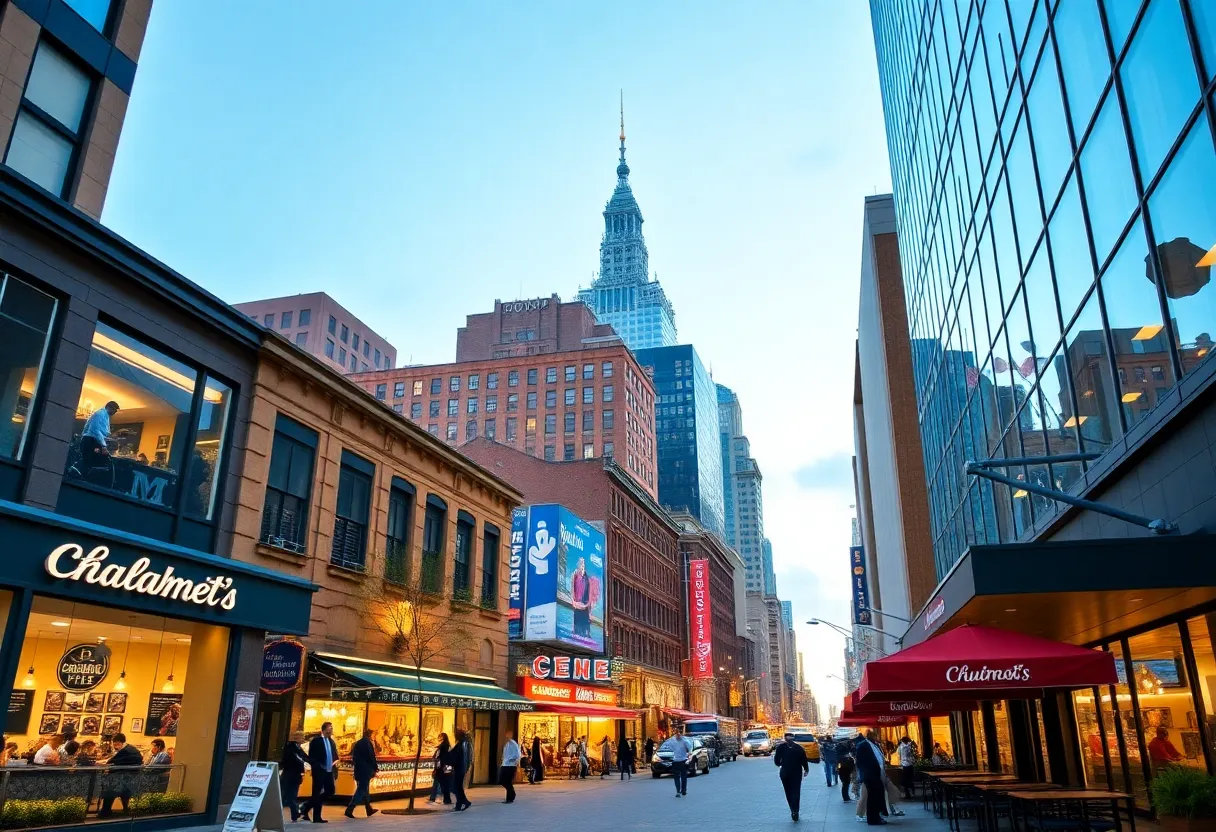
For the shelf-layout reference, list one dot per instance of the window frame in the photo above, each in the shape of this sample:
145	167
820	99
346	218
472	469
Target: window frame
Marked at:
294	435
353	471
45	361
434	542
402	502
466	531
489	565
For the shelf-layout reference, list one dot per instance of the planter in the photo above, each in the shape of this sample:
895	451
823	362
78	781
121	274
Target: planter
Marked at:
1171	823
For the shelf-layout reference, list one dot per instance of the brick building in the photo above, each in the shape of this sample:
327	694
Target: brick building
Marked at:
319	325
530	327
584	403
646	621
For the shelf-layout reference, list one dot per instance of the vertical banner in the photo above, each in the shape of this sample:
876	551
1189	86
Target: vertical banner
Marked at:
244	705
700	623
515	574
540	575
861	585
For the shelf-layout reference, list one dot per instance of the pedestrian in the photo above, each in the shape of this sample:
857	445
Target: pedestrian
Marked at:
291	773
648	750
680	749
323	760
844	770
537	773
363	757
828	756
870	771
791	759
441	771
510	764
624	759
460	767
605	757
907	765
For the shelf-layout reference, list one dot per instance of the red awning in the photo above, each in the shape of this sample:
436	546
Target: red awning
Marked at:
686	715
848	719
984	663
579	709
908	707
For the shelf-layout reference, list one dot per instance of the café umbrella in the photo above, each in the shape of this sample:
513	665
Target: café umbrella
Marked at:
980	662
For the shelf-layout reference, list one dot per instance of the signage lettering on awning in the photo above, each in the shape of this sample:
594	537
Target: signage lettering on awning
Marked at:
561	692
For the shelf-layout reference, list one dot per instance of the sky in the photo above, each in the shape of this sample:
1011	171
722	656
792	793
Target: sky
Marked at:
418	161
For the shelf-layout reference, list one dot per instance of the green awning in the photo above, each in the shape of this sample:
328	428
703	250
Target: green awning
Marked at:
357	680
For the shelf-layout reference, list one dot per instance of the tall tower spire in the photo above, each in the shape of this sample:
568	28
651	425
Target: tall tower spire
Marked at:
622	170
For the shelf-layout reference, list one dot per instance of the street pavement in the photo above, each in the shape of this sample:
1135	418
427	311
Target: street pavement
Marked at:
735	795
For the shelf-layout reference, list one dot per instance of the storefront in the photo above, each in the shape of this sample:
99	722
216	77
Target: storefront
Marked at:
111	637
566	713
652	694
408	713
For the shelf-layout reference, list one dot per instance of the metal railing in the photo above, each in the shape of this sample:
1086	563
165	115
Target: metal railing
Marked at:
396	561
432	573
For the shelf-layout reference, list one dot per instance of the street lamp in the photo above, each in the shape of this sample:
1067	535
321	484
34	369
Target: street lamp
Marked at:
847	634
834	676
889	615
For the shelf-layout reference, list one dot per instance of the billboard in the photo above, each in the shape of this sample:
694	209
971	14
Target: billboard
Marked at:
515	574
562	577
700	620
861	586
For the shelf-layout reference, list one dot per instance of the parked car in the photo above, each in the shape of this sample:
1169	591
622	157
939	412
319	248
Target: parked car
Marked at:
719	733
698	758
809	744
757	742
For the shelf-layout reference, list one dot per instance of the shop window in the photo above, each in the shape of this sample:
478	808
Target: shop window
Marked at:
401	497
353	512
26	316
1131	740
489	566
157	680
137	410
462	584
1004	746
288	486
1200	630
433	538
1164	701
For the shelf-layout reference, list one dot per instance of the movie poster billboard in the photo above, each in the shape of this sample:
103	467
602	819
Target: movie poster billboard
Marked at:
562	596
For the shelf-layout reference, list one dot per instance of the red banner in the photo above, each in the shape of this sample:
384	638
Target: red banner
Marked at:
700	624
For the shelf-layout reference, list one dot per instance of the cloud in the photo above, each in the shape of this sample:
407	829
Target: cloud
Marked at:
827	473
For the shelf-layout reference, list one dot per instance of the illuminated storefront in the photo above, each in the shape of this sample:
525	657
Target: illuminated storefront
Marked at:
653	694
568	712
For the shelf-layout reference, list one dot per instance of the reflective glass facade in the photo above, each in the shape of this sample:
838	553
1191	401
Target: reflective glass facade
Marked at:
1052	163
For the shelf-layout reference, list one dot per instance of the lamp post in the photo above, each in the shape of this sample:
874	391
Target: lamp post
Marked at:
848	635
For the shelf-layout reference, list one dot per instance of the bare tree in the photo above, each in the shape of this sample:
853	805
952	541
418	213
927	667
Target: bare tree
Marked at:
419	627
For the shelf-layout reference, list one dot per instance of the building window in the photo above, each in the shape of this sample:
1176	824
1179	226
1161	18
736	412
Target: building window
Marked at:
47	136
416	410
532	376
301	339
569	421
491	429
532	401
305	317
143	453
589	395
512	402
454	384
344	334
433	408
588	450
436	386
398	389
451	432
342	356
606	369
434	529
1158	373
588	371
607	392
377	360
286	321
94	12
333	325
609	420
491	404
491	381
551	375
470	430
608	448
401	496
550	398
568	451
329	349
550	453
417	388
352	513
354	362
588	420
471	407
453	406
462	589
530	426
474	381
354	343
288	486
381	391
550	424
511	428
489	566
433	429
26	318
513	378
569	396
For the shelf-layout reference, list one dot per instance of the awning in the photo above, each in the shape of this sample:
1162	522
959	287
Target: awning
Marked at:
854	720
984	663
686	715
579	709
361	680
907	707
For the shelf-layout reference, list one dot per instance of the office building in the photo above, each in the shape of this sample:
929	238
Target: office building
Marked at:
622	294
536	326
743	498
1056	235
770	576
319	325
689	447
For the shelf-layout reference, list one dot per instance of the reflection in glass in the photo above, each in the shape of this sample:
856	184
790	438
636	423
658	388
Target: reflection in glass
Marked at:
1090	739
1200	629
26	317
1127	724
1163	694
1134	316
1159	83
1070	251
1085	344
1084	61
1120	15
1006	250
1004	747
1183	211
1041	303
210	429
1026	211
1110	192
1204	15
1052	147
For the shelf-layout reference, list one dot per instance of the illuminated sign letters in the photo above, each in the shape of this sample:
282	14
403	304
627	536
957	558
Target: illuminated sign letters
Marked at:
578	669
91	568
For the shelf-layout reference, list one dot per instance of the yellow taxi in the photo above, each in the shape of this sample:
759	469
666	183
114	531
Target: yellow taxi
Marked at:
805	738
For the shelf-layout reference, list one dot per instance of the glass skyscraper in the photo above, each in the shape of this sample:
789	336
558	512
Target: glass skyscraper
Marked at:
687	431
1053	171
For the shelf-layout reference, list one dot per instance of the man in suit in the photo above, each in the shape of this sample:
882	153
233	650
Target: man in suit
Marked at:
323	759
791	759
870	771
119	785
363	755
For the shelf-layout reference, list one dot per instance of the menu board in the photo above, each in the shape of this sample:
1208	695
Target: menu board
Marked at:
20	706
164	710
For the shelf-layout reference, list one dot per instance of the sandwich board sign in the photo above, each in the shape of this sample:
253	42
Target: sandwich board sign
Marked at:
258	803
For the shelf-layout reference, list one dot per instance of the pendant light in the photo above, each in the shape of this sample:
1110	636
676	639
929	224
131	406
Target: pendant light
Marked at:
121	684
168	686
29	682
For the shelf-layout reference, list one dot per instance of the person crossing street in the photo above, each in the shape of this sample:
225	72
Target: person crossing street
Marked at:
791	759
681	747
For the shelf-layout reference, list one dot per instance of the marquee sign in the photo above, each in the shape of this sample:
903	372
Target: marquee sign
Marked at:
83	667
574	668
546	691
91	568
533	305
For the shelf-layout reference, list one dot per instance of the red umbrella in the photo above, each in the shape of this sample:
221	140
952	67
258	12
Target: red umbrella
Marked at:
974	662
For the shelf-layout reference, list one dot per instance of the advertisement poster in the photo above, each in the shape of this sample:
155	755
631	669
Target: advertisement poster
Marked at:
20	706
244	703
164	710
700	620
540	581
258	800
515	574
861	585
563	565
282	666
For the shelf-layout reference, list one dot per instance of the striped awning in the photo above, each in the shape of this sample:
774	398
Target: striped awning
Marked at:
361	680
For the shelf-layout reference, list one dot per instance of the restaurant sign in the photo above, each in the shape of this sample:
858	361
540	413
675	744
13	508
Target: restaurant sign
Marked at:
83	667
547	691
282	666
575	668
861	586
71	562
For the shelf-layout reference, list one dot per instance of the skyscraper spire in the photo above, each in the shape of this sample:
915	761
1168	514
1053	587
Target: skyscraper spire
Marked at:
622	170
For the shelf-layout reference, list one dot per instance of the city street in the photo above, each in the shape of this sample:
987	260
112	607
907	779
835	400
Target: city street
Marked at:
742	794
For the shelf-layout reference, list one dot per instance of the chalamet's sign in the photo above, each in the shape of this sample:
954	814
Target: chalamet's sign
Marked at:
70	562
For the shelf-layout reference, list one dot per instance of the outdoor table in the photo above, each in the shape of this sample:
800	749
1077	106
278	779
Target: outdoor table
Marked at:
950	787
1057	809
995	797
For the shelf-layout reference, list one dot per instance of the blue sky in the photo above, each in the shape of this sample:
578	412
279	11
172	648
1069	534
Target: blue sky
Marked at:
418	161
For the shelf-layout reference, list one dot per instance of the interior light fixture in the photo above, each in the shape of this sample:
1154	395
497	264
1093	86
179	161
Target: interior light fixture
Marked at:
1134	600
1208	259
1011	609
28	681
1128	398
61	624
1073	421
1020	493
133	357
1146	332
121	684
168	685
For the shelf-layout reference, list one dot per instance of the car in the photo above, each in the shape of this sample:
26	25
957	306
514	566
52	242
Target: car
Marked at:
809	744
698	758
719	733
757	742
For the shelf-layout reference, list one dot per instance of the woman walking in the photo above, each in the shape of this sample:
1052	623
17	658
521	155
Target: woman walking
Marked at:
537	772
439	777
624	759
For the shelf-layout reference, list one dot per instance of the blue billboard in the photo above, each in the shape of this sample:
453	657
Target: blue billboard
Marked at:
861	586
515	574
562	596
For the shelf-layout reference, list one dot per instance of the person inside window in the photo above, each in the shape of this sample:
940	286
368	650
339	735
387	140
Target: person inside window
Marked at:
160	757
1160	750
94	452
